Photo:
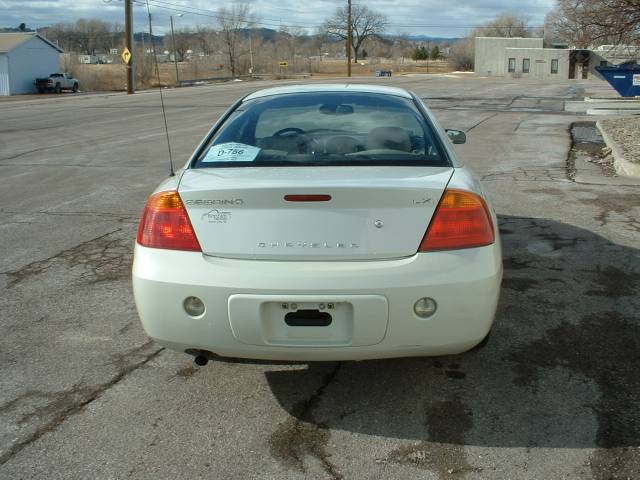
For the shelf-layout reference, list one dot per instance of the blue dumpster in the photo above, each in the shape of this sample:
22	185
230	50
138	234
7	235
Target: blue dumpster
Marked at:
625	78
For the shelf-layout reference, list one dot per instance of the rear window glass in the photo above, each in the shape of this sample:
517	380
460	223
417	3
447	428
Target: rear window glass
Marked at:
324	129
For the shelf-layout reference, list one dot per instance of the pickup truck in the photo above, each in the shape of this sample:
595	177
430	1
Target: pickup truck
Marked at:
56	82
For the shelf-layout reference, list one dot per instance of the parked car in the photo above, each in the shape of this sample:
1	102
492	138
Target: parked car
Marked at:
383	73
320	223
56	82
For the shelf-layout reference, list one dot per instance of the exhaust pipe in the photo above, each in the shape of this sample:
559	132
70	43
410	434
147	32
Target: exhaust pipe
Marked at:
200	357
201	360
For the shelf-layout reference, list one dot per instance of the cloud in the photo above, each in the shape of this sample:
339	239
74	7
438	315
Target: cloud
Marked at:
424	17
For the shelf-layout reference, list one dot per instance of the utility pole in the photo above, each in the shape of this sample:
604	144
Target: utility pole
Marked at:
349	34
175	53
128	43
428	53
251	51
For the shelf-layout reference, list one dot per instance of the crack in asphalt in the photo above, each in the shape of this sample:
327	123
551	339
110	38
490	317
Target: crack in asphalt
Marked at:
68	165
69	402
103	258
302	435
447	418
116	216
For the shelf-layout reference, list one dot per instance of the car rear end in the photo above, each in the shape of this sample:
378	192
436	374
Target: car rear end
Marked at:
43	84
328	259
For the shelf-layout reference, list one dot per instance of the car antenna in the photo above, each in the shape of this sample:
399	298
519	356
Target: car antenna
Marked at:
164	114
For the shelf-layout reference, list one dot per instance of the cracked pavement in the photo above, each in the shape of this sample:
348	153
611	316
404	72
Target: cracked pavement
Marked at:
84	394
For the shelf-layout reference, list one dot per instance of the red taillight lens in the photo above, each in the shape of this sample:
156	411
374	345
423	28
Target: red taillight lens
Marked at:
461	220
165	224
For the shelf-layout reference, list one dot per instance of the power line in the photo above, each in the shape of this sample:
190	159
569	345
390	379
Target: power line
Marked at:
163	4
207	12
270	22
211	14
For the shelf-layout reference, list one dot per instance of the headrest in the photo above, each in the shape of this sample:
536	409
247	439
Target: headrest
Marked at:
389	138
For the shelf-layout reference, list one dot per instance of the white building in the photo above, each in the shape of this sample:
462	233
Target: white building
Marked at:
23	58
526	58
491	55
88	59
516	57
540	63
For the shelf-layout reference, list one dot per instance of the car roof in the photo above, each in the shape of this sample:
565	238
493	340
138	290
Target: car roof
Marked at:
338	88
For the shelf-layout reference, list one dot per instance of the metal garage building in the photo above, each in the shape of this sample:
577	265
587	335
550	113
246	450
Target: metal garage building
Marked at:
23	58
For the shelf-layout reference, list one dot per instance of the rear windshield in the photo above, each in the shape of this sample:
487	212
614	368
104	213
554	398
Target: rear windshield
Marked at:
311	129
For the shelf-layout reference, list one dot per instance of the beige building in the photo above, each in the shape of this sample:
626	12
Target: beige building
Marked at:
491	56
539	63
526	58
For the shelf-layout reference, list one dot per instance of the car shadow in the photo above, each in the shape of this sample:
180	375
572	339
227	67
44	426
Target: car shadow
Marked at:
560	368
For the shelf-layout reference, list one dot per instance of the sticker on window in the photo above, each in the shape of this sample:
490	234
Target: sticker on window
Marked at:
231	152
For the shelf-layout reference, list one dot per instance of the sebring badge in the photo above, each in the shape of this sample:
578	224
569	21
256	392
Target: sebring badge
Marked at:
216	201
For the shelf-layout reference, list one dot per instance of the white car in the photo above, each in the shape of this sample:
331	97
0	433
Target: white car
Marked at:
320	222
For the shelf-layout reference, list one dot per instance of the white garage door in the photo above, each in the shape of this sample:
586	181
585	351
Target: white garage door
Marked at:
4	74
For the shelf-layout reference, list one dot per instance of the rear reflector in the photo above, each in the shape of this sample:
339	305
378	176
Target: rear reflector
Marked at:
461	220
307	198
165	224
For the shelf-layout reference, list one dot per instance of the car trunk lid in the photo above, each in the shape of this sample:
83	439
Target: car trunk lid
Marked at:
354	213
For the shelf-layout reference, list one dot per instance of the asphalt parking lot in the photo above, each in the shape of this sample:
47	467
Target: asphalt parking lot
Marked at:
84	394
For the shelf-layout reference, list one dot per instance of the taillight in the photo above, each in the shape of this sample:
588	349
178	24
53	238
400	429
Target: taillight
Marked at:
165	224
461	220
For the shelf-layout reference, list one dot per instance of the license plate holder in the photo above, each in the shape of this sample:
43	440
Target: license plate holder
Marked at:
355	320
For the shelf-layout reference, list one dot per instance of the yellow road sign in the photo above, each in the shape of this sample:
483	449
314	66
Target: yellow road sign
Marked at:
126	55
283	64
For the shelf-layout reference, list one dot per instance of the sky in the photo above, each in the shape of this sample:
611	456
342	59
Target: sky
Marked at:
436	18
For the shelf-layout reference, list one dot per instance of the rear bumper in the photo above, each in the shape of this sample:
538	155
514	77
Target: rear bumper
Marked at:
242	297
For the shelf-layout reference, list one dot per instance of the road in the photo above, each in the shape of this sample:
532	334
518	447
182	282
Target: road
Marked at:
84	394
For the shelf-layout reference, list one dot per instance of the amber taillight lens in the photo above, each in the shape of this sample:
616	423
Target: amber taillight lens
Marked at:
165	224
461	220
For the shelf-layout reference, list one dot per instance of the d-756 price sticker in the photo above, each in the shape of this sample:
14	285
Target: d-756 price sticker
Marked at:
231	152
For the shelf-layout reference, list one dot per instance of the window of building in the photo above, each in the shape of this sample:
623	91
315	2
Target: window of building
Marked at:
525	65
554	65
512	65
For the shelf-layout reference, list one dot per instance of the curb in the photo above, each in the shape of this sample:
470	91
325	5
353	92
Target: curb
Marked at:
623	166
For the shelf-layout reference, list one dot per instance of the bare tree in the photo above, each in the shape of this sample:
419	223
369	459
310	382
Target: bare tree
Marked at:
403	47
507	25
365	23
461	54
89	36
583	23
232	21
185	40
92	35
319	39
205	38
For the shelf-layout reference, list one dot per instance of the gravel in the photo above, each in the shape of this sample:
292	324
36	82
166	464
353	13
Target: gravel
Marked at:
626	133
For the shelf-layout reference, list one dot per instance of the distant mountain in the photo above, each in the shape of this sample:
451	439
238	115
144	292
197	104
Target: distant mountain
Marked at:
14	30
139	36
267	34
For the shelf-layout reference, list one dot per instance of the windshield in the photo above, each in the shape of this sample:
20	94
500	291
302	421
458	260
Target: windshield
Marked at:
324	129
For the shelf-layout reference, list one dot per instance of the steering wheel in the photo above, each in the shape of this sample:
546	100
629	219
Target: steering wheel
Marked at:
306	143
282	131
